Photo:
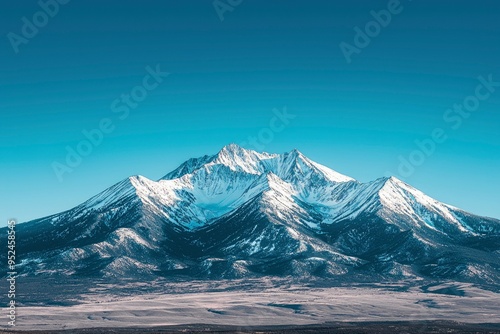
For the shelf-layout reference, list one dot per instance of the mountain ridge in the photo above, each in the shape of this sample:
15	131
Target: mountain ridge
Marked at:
246	214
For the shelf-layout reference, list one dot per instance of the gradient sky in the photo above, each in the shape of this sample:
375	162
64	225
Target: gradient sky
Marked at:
226	77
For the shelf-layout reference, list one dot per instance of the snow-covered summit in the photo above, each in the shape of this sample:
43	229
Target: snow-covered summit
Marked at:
239	159
206	188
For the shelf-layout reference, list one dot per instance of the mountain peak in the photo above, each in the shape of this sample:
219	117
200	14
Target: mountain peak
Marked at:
240	159
232	147
395	180
233	150
295	153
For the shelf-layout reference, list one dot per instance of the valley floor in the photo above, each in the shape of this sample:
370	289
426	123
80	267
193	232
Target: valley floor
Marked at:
260	305
434	327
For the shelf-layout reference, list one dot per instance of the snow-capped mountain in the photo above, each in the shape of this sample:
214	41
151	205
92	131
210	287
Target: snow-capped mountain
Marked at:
240	213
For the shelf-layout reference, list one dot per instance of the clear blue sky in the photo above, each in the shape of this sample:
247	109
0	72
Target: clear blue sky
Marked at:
225	79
